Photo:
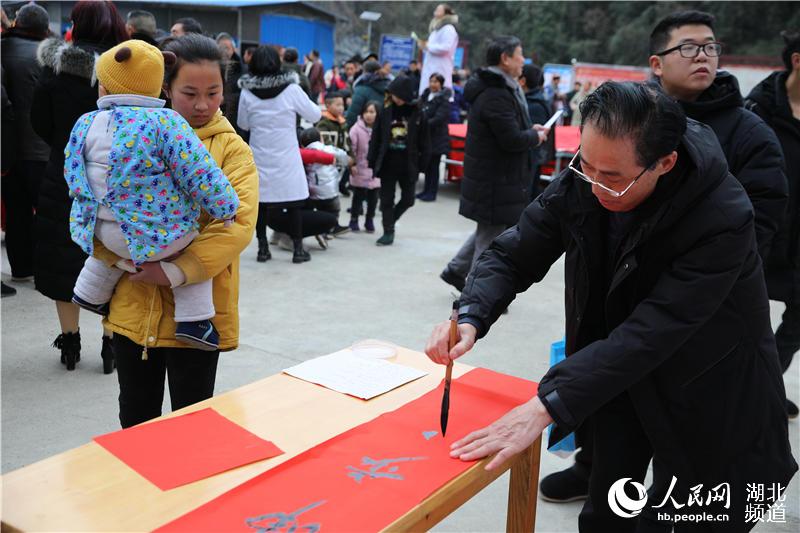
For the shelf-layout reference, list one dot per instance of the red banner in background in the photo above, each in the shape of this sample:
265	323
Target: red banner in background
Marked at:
367	477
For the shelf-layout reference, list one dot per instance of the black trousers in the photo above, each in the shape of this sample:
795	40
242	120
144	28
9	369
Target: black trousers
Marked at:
787	336
361	195
620	449
191	374
432	176
391	212
289	219
331	205
20	194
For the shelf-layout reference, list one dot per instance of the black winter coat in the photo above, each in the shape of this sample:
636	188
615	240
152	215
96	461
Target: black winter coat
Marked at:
770	101
417	141
22	72
497	159
539	111
680	322
752	150
64	93
437	113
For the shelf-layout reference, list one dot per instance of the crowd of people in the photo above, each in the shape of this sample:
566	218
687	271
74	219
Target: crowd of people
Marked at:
141	163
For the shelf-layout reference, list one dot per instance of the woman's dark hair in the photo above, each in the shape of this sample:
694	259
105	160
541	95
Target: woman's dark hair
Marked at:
265	61
447	9
308	136
639	111
291	55
97	22
371	103
503	44
192	48
438	77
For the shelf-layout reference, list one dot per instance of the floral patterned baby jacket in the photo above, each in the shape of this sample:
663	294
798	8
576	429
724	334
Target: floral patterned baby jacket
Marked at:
159	178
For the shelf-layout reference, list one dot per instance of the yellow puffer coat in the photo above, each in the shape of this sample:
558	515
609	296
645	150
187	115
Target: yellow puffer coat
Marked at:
144	312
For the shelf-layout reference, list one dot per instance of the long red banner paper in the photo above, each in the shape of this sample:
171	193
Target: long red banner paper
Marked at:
183	449
367	477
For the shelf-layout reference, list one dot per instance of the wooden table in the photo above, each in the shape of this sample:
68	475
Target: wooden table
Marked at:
88	489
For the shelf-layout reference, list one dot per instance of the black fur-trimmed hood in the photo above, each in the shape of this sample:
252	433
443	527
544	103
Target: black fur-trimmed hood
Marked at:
266	87
65	58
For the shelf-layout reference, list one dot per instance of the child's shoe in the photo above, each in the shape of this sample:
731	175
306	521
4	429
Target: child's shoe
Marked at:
107	353
369	226
354	225
322	241
101	309
201	334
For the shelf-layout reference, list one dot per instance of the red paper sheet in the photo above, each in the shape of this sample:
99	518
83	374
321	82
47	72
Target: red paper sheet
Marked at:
183	449
367	477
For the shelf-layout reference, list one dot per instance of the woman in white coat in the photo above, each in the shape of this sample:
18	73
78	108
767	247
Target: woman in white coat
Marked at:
440	48
268	109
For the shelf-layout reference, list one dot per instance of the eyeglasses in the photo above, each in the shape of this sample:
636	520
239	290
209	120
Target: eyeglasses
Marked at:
692	50
609	190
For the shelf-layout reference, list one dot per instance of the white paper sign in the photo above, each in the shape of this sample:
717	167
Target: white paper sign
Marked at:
345	372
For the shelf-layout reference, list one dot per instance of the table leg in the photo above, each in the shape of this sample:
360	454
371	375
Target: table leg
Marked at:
523	488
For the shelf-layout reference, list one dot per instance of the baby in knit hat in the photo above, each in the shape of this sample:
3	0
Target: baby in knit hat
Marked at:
139	177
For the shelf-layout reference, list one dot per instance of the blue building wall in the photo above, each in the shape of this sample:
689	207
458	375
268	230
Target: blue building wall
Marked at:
305	35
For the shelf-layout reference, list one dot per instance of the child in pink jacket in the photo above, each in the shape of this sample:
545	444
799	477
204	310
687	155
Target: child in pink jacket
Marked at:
365	187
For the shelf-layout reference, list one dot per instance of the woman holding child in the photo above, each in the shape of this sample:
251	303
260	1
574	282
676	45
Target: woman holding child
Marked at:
142	307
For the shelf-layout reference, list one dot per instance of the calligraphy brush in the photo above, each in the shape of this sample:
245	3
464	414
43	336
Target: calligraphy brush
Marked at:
449	372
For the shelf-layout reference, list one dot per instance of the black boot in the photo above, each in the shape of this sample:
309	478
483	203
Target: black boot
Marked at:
70	346
300	255
263	250
107	353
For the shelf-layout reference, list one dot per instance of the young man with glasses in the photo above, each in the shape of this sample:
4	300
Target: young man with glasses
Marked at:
669	346
684	57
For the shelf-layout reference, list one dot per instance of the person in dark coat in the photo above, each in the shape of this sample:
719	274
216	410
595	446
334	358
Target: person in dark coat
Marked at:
751	148
668	338
141	25
21	182
398	149
532	82
684	58
435	102
290	57
497	161
770	100
370	87
233	71
66	90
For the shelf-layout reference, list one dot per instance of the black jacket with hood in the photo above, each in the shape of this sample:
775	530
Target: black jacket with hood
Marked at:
680	323
497	157
437	112
22	73
753	152
770	101
417	141
370	87
66	90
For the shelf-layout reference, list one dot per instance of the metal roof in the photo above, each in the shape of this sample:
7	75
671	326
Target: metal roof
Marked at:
246	3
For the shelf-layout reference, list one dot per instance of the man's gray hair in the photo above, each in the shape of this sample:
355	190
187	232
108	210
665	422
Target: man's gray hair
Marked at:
222	36
34	18
142	22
